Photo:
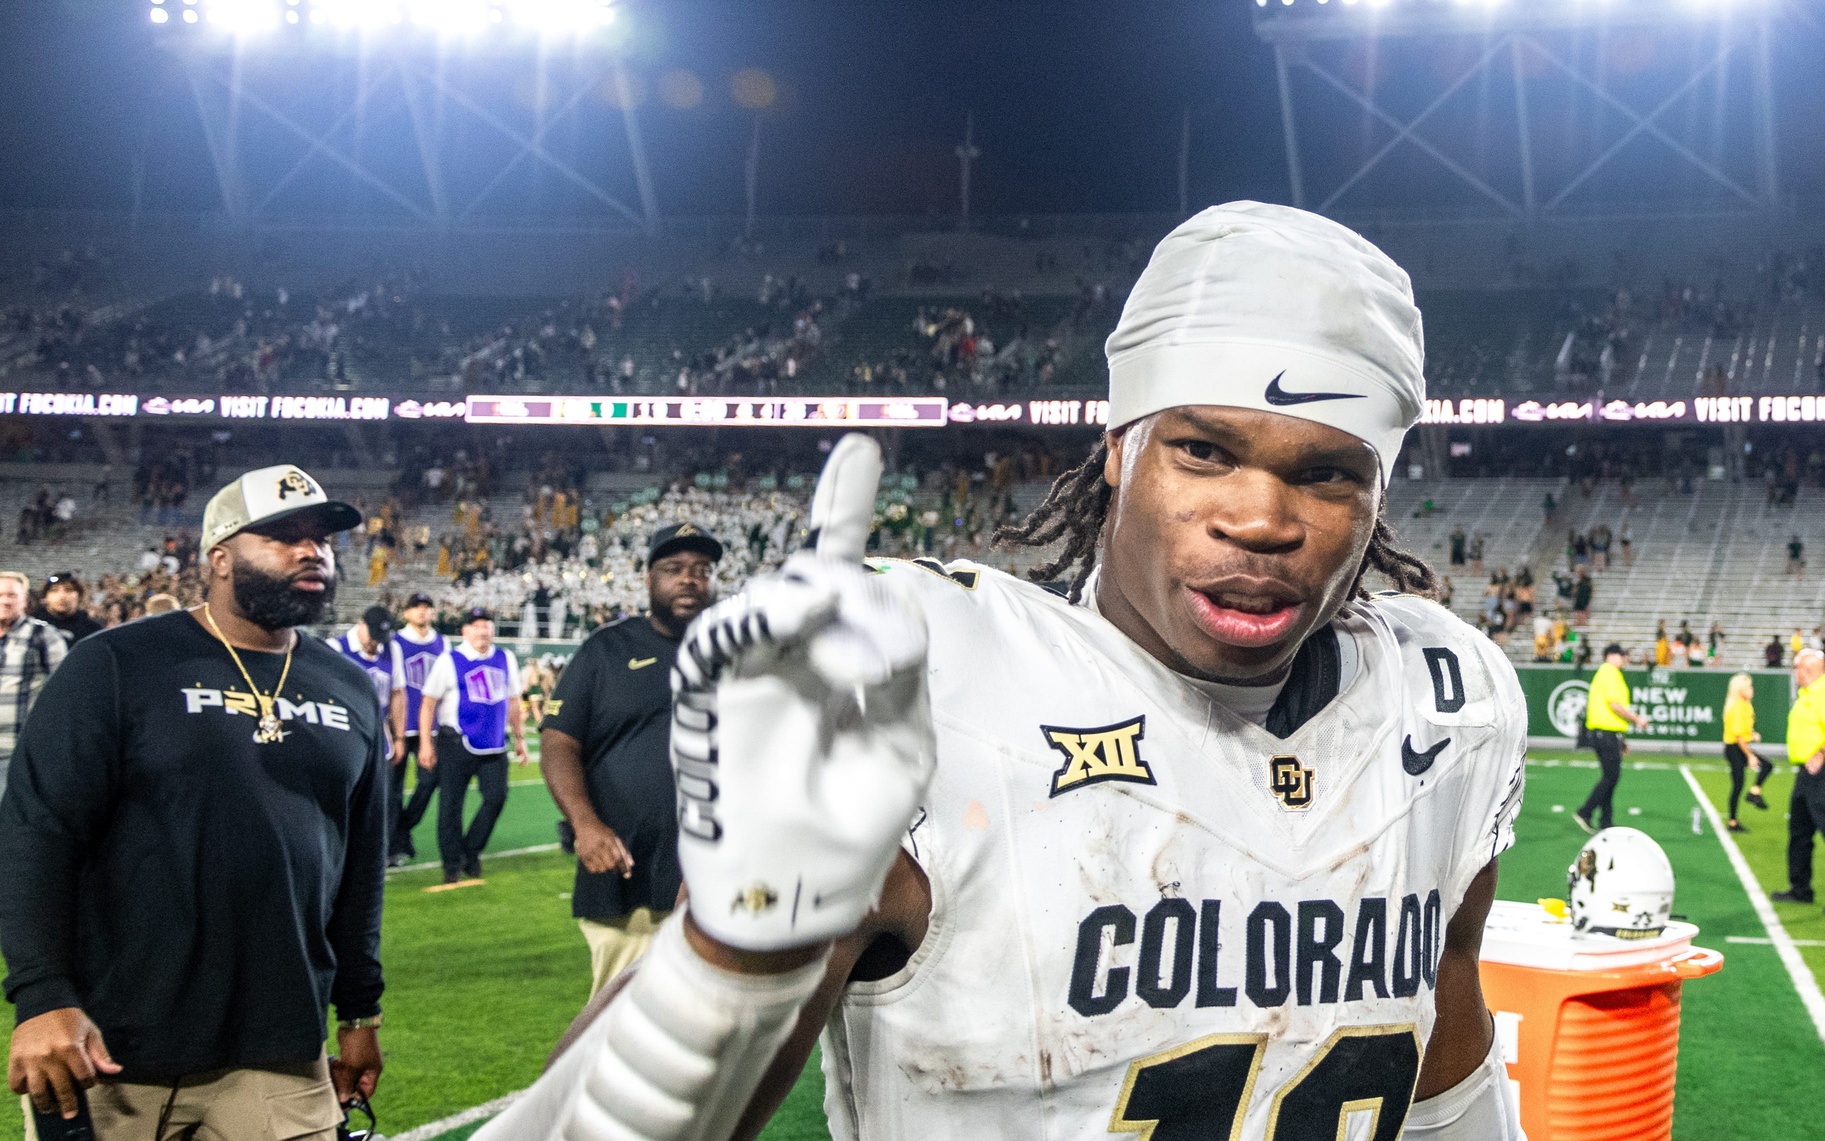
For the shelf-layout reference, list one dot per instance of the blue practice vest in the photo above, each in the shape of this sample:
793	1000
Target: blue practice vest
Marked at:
481	701
419	658
379	670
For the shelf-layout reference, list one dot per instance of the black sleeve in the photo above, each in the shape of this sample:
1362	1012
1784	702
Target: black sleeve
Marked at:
57	801
354	926
575	689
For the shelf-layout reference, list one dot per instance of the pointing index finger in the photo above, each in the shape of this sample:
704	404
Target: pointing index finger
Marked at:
842	508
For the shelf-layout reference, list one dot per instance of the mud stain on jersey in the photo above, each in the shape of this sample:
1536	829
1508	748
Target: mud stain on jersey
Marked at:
1116	1040
1353	853
937	1073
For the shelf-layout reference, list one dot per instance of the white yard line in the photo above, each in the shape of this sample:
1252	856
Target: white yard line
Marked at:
1784	946
1760	941
1635	766
457	1120
536	848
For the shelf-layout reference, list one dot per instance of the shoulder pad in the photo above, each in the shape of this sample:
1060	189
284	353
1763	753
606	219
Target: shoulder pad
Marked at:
1413	618
975	579
1456	675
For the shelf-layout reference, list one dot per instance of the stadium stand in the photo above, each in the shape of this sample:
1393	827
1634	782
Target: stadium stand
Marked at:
1714	554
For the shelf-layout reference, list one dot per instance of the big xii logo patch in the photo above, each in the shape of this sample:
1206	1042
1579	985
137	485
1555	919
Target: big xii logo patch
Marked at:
1092	756
1290	782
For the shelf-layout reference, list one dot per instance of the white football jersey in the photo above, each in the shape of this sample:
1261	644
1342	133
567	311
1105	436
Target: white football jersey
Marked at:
1152	916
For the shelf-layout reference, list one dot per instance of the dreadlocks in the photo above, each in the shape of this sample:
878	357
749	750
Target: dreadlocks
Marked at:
1077	508
1073	510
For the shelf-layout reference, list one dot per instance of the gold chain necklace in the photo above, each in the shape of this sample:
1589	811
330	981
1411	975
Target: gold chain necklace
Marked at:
269	731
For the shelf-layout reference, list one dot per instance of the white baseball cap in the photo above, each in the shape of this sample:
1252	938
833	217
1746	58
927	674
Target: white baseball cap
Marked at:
269	494
1249	305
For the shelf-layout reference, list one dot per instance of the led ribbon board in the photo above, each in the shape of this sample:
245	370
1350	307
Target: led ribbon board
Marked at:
778	412
840	411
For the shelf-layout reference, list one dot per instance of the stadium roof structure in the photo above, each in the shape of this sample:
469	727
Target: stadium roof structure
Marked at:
432	112
577	22
1523	108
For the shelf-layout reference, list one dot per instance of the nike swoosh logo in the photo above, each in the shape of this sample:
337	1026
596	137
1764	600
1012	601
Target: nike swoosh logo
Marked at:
640	663
1280	398
1416	762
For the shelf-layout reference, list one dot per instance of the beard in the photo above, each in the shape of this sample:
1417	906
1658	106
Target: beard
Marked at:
676	614
271	602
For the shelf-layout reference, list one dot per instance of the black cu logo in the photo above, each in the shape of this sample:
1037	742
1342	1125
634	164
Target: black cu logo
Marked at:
294	483
1291	783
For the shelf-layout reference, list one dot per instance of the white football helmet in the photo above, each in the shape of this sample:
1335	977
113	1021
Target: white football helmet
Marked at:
1621	884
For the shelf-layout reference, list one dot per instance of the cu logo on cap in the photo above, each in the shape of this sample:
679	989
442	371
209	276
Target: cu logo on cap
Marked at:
295	482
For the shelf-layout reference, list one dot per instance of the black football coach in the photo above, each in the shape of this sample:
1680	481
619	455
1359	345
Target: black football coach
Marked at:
194	840
603	748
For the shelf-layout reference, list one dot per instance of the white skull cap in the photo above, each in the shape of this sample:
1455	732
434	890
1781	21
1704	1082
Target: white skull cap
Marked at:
1249	305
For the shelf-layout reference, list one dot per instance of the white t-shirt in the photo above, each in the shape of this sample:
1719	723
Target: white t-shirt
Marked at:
441	682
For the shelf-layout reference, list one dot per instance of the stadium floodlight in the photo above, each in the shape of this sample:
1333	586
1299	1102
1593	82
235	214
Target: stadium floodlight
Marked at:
562	16
452	17
442	19
242	17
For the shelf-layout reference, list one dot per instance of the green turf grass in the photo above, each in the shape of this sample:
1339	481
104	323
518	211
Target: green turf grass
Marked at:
482	980
528	819
1740	1027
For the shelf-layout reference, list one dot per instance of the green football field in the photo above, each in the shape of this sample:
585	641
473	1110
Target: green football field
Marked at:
481	980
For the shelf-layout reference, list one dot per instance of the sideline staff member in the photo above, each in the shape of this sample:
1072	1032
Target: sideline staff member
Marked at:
1806	749
369	644
473	699
604	750
418	646
1607	717
1739	736
194	845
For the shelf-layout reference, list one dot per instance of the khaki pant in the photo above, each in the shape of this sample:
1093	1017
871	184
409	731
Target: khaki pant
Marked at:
290	1103
615	944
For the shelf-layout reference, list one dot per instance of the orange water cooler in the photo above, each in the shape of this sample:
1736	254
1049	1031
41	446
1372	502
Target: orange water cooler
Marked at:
1589	1026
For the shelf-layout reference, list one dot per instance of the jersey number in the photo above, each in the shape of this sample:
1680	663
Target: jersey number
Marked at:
1200	1091
1447	679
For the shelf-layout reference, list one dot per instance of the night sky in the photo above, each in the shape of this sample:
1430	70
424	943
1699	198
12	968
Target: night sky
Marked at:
1077	104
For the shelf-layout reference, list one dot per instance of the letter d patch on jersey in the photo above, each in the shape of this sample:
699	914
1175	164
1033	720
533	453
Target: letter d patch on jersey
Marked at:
1092	756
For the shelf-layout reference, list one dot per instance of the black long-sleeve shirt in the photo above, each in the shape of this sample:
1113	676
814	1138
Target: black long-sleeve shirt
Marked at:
202	897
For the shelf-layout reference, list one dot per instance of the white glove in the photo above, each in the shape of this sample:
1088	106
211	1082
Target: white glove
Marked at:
801	733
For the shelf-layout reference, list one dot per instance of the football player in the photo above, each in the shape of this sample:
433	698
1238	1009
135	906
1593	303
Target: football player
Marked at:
1201	849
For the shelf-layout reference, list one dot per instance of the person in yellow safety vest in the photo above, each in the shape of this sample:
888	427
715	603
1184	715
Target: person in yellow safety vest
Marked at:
1806	749
1607	717
1739	735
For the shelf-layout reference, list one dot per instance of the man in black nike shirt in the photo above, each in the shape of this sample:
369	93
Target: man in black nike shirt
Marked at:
603	750
195	842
